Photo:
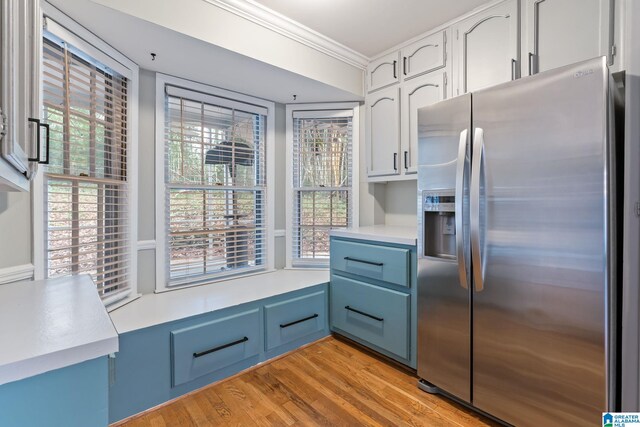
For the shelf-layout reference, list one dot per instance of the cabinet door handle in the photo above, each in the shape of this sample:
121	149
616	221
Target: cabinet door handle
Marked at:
39	124
295	322
395	161
531	69
37	157
513	69
406	160
377	264
404	65
395	74
379	319
221	347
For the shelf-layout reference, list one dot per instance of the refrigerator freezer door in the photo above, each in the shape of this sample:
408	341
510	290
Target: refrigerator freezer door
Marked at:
444	328
540	321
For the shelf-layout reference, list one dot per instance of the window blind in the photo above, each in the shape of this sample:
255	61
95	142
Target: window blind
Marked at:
215	187
322	182
85	183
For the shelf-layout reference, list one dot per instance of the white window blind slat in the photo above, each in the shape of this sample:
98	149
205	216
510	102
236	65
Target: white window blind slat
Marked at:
215	187
322	182
86	189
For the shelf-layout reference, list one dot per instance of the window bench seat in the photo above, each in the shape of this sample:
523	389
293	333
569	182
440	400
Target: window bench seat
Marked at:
174	342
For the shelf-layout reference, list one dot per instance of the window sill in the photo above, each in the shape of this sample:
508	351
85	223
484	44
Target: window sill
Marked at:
154	309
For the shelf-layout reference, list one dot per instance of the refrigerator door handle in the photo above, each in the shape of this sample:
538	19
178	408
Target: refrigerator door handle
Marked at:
476	254
459	203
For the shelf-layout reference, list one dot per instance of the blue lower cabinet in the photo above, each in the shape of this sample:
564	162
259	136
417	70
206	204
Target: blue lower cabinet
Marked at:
374	314
205	348
385	263
163	362
75	396
295	318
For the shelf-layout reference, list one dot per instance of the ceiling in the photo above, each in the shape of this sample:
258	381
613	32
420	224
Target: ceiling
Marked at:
193	59
371	26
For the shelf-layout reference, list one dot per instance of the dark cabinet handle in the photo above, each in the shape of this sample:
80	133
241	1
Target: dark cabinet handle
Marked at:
406	160
378	264
222	347
404	65
295	322
395	161
379	319
47	140
395	75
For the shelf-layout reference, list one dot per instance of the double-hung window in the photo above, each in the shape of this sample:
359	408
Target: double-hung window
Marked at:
214	185
323	187
87	184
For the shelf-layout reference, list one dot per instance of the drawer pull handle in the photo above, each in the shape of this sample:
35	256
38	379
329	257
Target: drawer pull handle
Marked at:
378	264
221	347
295	322
379	319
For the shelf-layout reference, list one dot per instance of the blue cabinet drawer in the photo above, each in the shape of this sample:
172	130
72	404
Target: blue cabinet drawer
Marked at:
294	318
210	346
374	314
384	263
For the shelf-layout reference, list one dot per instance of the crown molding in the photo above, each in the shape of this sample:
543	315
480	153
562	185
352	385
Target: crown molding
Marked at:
274	21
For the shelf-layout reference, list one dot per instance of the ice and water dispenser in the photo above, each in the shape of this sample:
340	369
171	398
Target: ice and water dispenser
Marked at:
439	223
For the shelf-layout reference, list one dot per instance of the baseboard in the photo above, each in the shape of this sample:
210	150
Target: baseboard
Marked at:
16	273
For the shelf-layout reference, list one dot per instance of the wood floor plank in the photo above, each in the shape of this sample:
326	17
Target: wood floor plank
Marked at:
329	383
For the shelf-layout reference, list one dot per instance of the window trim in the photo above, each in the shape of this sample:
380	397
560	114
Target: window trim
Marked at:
163	80
75	34
330	108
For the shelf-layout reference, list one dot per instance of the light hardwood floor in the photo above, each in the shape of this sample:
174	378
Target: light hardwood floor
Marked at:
329	383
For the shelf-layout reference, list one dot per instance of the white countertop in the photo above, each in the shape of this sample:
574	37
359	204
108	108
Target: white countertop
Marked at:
401	235
155	309
51	324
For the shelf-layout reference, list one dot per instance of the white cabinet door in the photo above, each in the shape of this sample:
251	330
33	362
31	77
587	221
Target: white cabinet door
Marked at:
486	48
562	32
383	72
425	55
420	92
383	132
19	90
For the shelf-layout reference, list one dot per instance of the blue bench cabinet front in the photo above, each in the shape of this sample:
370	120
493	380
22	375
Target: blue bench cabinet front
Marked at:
74	396
204	348
142	371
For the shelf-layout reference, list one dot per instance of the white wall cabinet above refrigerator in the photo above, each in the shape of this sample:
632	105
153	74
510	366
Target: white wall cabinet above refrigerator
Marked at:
425	55
486	48
561	32
19	93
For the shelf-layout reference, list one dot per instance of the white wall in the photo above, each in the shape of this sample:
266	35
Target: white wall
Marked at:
15	229
401	203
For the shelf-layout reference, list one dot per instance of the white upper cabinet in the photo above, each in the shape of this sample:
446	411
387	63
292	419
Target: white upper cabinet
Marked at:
383	72
562	32
425	55
19	92
383	132
486	48
420	92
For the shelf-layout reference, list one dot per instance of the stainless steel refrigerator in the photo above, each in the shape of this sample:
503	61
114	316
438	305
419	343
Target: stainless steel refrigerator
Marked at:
516	248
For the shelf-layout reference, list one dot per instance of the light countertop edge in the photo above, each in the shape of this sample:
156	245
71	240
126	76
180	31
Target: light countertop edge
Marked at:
401	235
155	309
51	324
